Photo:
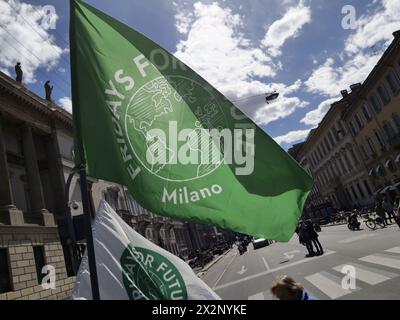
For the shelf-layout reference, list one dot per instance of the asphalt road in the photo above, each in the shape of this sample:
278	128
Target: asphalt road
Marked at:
374	256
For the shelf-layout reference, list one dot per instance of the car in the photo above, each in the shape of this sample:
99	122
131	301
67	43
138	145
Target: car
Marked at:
260	242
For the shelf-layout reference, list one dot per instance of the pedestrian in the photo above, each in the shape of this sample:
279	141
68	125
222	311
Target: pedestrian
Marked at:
305	239
397	211
285	288
48	89
18	72
381	212
388	207
314	237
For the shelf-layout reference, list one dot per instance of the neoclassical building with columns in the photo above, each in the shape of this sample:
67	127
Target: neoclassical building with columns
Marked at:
36	159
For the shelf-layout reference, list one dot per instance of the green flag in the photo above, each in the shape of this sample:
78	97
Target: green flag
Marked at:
145	120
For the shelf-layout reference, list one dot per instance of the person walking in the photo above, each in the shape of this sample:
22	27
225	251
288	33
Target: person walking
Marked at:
314	237
286	288
389	208
397	211
380	212
305	239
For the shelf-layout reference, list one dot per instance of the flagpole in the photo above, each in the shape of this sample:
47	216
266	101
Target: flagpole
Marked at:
80	163
89	235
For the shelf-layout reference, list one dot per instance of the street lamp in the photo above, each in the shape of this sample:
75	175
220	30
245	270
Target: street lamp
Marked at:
271	97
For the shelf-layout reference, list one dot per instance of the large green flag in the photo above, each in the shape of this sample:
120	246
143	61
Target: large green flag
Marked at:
145	120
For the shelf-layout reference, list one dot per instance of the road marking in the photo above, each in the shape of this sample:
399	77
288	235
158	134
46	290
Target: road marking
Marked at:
383	260
258	296
222	274
266	264
356	238
242	271
265	295
328	284
393	250
290	255
368	275
232	283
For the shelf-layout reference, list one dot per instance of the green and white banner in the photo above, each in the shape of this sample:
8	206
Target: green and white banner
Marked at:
144	119
130	267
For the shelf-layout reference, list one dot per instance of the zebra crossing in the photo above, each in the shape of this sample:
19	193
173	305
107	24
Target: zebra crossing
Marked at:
367	273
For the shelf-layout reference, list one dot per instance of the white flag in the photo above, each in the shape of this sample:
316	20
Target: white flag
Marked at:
131	267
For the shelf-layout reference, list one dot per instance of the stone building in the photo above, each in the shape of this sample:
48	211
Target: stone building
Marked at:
354	153
374	122
36	159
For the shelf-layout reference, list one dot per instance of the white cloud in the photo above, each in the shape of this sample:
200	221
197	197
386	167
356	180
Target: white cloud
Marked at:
314	117
26	39
375	28
216	47
329	79
183	21
66	104
362	50
285	28
293	136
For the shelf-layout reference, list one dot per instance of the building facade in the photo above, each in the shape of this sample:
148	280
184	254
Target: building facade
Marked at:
36	161
354	153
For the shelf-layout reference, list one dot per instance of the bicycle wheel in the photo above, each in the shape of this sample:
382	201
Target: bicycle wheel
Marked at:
371	224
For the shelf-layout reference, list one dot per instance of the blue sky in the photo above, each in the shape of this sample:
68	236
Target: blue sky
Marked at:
244	48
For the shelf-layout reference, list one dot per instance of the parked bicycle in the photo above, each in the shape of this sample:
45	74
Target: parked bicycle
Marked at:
372	221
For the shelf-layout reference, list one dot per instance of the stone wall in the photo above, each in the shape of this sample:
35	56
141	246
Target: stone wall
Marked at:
19	242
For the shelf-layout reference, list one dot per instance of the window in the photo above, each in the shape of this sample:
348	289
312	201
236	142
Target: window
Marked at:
330	138
5	280
354	193
387	127
346	159
379	138
358	121
376	104
323	148
328	146
38	253
334	134
366	112
353	128
371	146
367	187
383	94
394	82
319	154
396	120
353	155
364	152
360	190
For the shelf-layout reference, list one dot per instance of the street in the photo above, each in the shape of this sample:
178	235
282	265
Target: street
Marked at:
375	255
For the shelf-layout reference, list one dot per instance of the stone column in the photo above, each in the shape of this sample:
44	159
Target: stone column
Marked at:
9	214
39	212
54	161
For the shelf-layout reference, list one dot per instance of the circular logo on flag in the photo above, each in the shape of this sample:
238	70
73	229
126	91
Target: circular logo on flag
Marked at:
168	122
147	275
